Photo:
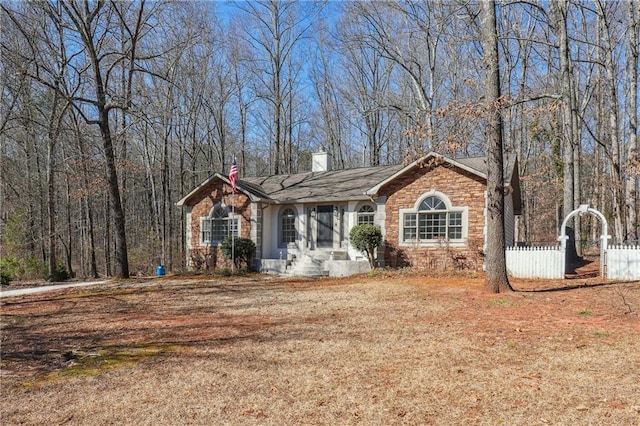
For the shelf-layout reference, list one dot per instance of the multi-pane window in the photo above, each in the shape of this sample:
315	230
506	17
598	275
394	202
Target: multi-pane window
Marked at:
287	227
432	221
432	226
410	227
455	225
366	215
218	226
205	230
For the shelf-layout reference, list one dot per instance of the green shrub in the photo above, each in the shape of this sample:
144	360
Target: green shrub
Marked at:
30	268
366	238
222	272
34	268
11	268
61	272
5	278
243	250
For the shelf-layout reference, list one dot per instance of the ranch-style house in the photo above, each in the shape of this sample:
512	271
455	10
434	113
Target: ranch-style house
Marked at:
431	213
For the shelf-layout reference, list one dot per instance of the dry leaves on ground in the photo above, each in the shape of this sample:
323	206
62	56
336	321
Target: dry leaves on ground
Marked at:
386	349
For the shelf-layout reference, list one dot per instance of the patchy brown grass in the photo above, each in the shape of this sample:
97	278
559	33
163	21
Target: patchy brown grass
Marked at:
388	349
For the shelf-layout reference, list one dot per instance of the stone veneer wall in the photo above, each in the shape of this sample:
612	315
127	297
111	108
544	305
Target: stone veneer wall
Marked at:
463	189
210	257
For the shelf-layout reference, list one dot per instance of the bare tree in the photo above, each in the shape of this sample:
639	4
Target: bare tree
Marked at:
280	26
45	36
22	219
58	108
614	144
86	189
331	111
245	84
496	280
410	34
366	87
632	231
560	10
95	59
239	57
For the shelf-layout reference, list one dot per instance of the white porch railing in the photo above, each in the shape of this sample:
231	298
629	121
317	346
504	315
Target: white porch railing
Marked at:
535	262
623	262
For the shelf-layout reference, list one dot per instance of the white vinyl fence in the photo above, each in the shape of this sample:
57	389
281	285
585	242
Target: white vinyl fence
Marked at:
623	262
535	262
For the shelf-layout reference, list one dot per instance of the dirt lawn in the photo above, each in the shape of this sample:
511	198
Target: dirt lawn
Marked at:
380	350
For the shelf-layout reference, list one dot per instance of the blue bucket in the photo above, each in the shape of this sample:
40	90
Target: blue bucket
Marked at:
160	270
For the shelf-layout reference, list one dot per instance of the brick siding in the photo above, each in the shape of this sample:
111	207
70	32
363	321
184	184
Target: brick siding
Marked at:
210	257
463	189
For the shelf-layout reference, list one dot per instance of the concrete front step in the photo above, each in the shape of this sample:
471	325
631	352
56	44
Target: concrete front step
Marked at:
307	270
326	255
307	266
309	273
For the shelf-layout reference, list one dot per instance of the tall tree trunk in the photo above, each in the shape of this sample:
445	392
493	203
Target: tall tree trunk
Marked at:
108	266
277	66
633	160
51	190
39	230
242	110
559	12
496	279
165	196
122	259
93	264
86	21
53	133
33	186
69	246
612	108
182	224
599	158
290	126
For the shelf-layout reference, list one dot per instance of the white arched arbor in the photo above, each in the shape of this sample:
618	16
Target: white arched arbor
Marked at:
604	237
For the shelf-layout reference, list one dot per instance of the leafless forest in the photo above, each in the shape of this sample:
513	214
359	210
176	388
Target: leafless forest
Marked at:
112	111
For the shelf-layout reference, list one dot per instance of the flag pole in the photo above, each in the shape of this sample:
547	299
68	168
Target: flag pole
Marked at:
233	179
233	239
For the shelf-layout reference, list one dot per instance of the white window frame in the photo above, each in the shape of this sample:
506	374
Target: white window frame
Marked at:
281	242
368	214
415	210
233	220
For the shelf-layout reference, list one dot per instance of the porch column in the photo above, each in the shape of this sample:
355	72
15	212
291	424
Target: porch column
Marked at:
256	228
381	219
301	228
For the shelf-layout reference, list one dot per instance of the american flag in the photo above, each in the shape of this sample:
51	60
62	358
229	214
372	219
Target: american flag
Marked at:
233	175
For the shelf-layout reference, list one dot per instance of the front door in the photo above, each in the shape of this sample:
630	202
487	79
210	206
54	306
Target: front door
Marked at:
325	226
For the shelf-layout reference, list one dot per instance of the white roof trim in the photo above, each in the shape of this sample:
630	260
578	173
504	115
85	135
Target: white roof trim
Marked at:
375	189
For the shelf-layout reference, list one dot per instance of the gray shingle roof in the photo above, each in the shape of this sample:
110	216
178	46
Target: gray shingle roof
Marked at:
480	164
332	185
338	185
476	163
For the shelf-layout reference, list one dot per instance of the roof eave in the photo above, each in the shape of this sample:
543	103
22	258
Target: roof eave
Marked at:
362	197
374	190
239	187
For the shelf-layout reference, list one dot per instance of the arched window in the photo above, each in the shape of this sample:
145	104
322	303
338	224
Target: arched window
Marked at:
366	215
432	203
218	225
433	221
287	226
